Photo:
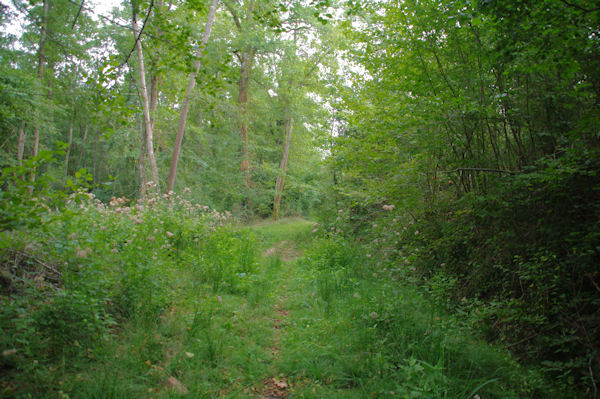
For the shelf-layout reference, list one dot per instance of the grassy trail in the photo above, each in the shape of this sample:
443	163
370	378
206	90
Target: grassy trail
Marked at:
302	363
346	328
324	327
318	318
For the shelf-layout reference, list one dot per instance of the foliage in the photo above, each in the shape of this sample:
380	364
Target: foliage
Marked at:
25	203
529	250
367	332
70	286
90	102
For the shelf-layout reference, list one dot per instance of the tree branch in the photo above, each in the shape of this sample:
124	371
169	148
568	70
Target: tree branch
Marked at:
77	16
585	10
510	172
141	30
234	15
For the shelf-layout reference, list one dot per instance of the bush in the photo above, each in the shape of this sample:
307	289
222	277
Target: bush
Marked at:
528	249
69	286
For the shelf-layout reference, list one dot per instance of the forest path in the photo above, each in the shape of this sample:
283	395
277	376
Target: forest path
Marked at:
343	325
316	318
283	248
304	356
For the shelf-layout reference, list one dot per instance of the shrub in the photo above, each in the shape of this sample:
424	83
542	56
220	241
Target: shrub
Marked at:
529	249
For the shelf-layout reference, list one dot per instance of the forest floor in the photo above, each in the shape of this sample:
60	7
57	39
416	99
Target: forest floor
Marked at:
318	320
304	332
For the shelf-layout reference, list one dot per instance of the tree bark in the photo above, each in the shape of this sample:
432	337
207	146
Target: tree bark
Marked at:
141	161
153	99
82	153
36	129
145	102
247	59
68	150
21	146
289	127
185	105
95	158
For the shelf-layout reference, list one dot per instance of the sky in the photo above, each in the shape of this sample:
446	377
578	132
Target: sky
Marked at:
102	7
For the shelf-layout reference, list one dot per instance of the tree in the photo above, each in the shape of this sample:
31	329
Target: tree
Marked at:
148	125
40	75
245	55
185	105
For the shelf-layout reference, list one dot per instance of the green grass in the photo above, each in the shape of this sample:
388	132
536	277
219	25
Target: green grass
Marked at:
373	339
296	230
332	323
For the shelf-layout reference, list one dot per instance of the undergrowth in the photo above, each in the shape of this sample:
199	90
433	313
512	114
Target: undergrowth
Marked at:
93	276
518	262
362	332
163	298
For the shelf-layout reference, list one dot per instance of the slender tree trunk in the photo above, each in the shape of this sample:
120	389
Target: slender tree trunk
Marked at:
95	158
82	153
68	150
141	161
21	145
185	106
155	74
36	129
247	59
145	102
153	99
289	127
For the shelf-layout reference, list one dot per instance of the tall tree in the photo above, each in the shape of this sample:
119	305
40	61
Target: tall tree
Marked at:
40	75
246	57
298	73
280	182
185	105
21	145
144	93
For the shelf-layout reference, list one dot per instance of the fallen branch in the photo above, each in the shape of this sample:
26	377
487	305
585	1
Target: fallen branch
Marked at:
41	262
47	266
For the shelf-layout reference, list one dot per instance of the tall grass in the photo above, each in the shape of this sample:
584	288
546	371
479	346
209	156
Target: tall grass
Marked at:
362	333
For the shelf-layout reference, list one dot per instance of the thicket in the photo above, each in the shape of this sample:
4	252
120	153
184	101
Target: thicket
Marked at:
470	155
528	249
374	330
76	272
518	263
